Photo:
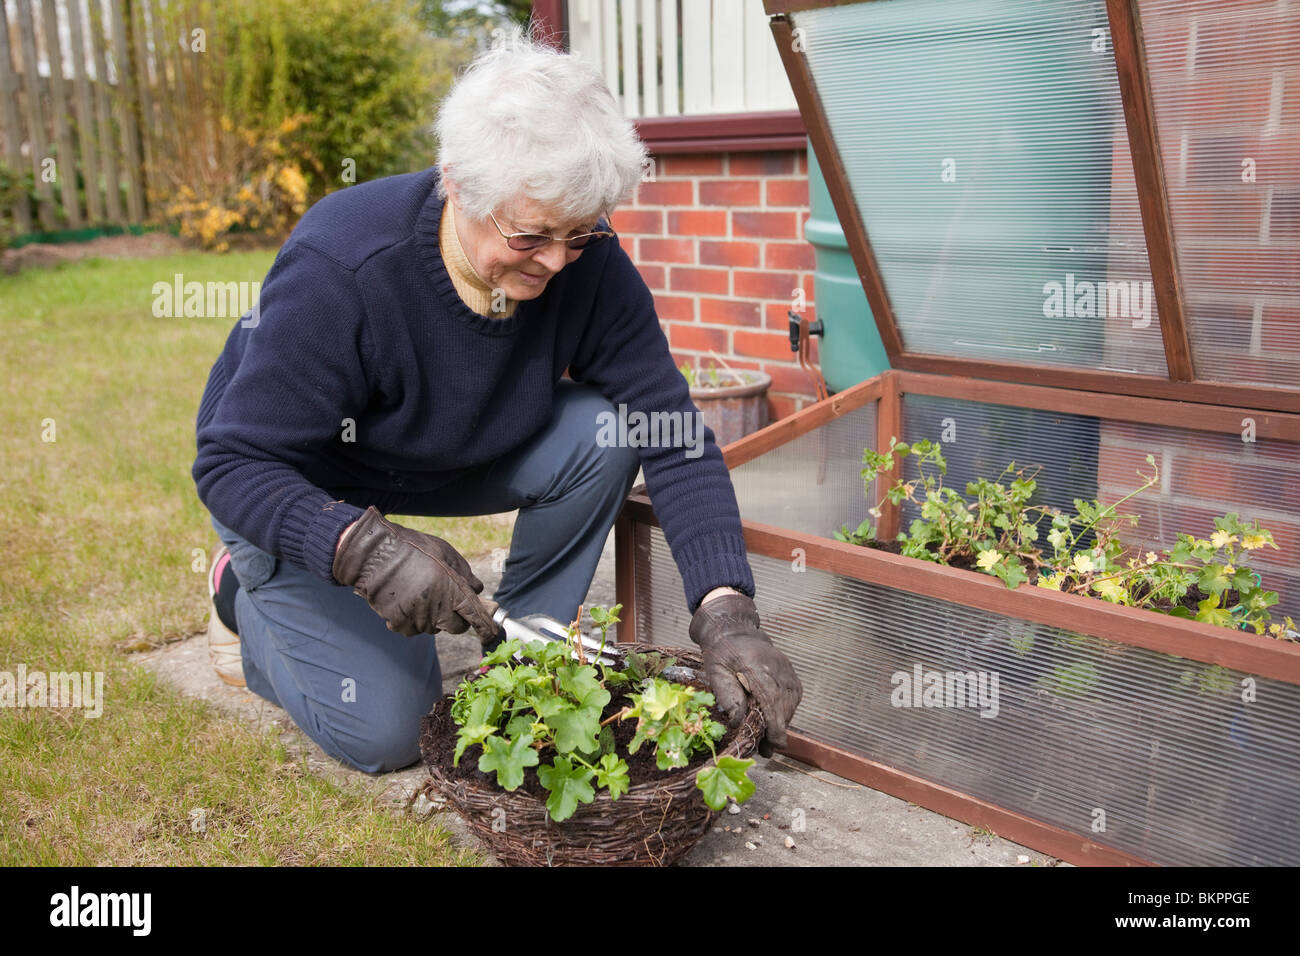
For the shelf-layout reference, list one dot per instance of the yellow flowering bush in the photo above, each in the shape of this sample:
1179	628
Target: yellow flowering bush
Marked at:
261	190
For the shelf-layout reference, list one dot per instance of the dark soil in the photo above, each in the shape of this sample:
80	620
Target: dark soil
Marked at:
438	742
1191	600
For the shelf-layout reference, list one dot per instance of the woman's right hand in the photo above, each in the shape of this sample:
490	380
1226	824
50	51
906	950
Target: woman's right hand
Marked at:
418	583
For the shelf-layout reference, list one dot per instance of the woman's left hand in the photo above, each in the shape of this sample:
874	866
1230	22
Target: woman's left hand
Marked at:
738	656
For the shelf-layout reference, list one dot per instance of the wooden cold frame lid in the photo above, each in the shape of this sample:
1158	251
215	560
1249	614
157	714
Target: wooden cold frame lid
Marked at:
1179	381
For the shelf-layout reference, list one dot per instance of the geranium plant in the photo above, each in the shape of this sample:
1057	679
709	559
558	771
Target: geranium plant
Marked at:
994	529
549	709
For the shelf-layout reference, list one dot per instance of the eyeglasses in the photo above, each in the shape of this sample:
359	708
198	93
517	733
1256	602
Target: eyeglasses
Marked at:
526	241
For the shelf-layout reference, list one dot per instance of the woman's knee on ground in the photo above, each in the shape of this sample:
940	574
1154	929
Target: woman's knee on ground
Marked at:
385	743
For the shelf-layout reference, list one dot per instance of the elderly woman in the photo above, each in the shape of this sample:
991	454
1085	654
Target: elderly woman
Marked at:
409	357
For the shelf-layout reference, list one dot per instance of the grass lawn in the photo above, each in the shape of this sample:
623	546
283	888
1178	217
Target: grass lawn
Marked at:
98	534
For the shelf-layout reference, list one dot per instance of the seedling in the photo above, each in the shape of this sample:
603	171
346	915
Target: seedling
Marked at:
997	532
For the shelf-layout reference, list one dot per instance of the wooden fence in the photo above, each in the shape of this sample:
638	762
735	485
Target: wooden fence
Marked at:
89	91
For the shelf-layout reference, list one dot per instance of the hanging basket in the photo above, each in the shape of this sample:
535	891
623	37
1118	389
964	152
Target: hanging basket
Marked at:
655	823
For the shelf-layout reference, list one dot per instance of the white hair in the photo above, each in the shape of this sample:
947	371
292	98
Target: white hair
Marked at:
525	121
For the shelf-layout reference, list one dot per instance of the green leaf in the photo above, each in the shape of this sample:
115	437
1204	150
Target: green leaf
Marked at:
1210	612
613	677
640	736
1214	579
520	724
548	653
579	680
728	777
1229	523
1243	579
503	653
604	618
1011	573
661	696
568	787
500	678
484	713
611	773
672	750
702	698
576	727
1259	600
508	758
548	704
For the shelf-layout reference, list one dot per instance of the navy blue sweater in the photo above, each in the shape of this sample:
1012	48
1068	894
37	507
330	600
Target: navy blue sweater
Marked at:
359	319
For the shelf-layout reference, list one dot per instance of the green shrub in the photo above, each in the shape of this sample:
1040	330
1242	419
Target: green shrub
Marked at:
283	108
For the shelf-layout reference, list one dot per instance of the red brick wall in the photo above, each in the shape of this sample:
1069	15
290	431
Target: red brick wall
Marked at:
1226	86
719	240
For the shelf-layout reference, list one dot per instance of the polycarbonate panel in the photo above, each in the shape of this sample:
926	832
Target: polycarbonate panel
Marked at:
812	484
985	147
1225	82
1202	474
981	440
1145	752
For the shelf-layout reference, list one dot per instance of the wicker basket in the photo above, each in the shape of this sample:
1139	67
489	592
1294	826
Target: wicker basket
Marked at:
653	824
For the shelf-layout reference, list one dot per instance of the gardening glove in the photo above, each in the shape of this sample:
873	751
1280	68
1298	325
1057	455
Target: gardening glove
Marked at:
417	583
738	656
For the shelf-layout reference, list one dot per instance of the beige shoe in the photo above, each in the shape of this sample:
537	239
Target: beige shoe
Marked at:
223	643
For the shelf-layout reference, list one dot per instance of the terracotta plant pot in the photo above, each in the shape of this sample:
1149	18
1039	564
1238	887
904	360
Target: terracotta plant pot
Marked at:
735	408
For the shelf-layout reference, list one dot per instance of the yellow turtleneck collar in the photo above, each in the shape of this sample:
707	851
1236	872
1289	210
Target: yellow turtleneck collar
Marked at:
474	292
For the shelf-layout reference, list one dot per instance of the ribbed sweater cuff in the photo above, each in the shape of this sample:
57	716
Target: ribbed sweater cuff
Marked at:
713	561
311	533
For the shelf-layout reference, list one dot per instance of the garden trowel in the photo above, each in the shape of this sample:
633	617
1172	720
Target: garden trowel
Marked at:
542	627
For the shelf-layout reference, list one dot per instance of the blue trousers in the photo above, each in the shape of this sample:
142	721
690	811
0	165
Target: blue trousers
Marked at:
358	689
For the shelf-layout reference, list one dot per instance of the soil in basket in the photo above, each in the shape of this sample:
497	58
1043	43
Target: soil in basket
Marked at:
1191	600
440	741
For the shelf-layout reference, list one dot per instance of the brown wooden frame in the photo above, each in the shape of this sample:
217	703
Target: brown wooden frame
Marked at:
723	132
1261	656
1181	383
